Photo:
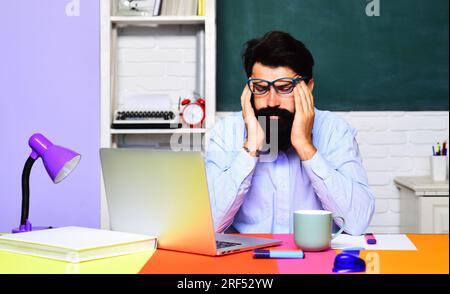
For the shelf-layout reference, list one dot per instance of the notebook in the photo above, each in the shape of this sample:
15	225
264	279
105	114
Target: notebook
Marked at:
76	244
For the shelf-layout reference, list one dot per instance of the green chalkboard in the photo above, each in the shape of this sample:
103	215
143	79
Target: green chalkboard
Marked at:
395	61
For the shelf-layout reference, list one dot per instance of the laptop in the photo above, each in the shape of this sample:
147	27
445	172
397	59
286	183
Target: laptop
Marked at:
165	193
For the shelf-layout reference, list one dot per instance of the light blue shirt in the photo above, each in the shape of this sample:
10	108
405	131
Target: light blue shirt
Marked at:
260	197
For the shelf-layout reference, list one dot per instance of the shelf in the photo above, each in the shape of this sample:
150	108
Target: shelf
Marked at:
156	20
160	131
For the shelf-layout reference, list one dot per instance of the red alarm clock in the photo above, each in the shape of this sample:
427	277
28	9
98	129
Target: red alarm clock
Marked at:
193	112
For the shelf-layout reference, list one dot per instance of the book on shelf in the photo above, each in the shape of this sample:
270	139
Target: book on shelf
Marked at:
157	8
180	8
201	8
76	244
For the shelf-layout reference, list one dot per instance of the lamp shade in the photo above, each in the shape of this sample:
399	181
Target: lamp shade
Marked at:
58	161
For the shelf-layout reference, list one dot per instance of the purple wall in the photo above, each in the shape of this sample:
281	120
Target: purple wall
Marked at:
49	83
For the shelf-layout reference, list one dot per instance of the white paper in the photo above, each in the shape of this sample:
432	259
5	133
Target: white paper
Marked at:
384	242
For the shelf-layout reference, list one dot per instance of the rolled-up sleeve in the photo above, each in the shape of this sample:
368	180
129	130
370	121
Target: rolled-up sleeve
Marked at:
229	172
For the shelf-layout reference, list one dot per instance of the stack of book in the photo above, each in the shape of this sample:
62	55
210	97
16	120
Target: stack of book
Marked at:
76	244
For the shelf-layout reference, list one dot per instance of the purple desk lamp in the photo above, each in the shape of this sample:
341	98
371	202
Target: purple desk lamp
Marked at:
58	162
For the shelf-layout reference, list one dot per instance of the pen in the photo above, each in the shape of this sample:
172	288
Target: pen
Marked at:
261	253
438	149
434	152
370	239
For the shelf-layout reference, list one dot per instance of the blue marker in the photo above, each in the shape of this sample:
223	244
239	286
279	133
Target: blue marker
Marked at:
262	253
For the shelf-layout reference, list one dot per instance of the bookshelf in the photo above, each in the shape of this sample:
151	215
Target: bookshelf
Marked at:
114	29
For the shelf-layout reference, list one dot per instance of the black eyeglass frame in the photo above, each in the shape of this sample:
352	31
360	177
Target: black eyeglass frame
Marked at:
272	84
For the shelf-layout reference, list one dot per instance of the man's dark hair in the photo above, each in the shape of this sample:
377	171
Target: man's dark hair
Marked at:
278	49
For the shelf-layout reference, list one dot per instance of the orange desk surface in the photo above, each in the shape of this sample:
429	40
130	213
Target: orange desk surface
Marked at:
432	257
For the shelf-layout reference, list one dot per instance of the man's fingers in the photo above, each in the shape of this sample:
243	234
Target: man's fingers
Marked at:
303	89
245	102
308	96
243	96
303	101
297	100
248	105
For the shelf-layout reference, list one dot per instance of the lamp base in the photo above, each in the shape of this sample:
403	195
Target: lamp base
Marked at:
28	228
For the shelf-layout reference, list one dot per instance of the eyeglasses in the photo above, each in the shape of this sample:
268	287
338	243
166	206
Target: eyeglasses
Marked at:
281	86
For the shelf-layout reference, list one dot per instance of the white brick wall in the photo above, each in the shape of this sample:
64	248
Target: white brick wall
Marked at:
394	144
157	60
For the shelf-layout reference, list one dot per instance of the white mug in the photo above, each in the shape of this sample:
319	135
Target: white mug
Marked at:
312	229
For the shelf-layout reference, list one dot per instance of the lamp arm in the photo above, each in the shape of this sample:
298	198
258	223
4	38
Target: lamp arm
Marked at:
26	190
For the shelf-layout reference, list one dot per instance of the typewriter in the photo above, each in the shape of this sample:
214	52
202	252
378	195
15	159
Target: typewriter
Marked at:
156	114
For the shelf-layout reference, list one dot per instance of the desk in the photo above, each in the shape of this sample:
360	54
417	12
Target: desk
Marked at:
432	257
423	205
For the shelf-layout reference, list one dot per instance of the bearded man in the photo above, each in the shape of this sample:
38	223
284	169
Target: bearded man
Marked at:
314	163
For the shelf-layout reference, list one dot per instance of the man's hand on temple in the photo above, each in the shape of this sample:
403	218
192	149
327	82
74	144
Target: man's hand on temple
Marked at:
301	134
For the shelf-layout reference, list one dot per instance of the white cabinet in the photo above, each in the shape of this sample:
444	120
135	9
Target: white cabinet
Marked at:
433	215
424	205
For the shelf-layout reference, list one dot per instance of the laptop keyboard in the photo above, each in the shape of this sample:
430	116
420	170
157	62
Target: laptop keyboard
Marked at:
221	244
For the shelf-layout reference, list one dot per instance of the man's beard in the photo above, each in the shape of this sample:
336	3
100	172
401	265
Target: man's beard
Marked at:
285	121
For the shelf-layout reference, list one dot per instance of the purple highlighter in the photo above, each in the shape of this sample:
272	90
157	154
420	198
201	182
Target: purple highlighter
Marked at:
370	239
